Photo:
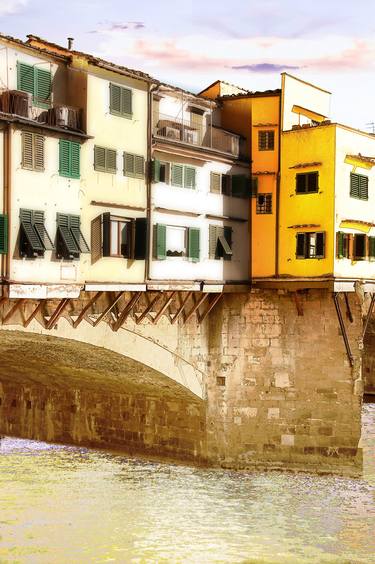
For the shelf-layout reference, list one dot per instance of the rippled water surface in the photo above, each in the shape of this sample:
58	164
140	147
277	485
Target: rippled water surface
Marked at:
69	505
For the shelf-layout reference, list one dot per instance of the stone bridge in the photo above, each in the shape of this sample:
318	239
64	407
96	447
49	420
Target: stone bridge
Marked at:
268	378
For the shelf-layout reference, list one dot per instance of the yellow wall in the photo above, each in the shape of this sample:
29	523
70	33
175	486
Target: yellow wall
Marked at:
314	144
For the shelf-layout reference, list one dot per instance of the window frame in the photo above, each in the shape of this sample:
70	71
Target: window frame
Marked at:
266	140
306	176
37	102
128	222
354	175
308	246
266	207
34	151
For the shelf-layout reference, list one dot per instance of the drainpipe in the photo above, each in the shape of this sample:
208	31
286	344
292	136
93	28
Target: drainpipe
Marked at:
5	259
152	88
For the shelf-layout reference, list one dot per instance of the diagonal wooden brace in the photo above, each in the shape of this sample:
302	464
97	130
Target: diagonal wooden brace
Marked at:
86	308
126	311
57	313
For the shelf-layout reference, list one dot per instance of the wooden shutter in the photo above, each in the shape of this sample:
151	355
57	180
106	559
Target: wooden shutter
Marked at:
68	245
3	234
340	244
110	160
140	246
27	225
155	168
239	185
27	150
114	99
75	229
312	182
212	241
38	152
301	245
254	186
177	175
25	77
161	241
126	102
320	244
106	227
139	166
228	251
215	183
42	88
38	222
99	158
363	187
371	244
75	149
96	239
129	164
64	158
189	177
194	244
351	246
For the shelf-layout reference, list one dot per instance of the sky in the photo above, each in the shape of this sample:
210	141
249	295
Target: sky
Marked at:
192	43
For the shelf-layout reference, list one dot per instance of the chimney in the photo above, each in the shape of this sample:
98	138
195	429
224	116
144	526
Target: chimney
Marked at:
70	43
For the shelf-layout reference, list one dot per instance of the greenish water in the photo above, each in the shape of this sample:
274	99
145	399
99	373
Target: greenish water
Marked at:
69	505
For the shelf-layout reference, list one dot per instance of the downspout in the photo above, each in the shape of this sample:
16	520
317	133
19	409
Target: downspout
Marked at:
151	89
5	259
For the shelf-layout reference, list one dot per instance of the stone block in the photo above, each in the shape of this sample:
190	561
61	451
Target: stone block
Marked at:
282	380
273	413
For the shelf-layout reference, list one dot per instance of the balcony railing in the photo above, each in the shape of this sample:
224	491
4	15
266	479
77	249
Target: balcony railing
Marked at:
197	134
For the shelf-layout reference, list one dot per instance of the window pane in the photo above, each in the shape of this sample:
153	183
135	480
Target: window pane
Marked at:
176	242
114	238
124	238
312	245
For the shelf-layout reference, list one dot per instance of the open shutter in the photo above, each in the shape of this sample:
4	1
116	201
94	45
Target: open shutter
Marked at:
228	251
3	234
177	175
340	244
139	166
140	246
320	244
301	245
312	182
27	150
75	149
67	245
161	241
99	158
155	169
106	234
42	88
189	177
226	184
239	185
194	244
96	239
126	102
215	183
38	222
64	158
31	235
212	241
25	77
38	152
114	99
75	228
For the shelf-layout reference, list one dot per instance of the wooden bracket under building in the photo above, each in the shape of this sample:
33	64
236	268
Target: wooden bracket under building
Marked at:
343	328
368	316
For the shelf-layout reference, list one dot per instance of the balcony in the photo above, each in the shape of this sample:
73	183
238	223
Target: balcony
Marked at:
202	134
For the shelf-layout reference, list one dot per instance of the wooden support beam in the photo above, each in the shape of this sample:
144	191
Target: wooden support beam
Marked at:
343	329
108	309
348	310
211	306
3	300
126	311
87	307
163	308
180	310
148	309
57	313
34	313
195	307
298	302
13	309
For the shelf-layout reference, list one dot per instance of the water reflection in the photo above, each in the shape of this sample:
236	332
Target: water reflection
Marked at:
69	505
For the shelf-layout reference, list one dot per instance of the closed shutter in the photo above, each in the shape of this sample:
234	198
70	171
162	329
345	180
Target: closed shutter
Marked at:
96	239
25	77
358	186
215	182
38	152
189	177
99	158
363	187
340	244
194	244
320	244
177	175
114	99
129	164
75	149
155	167
111	160
126	102
240	186
371	244
64	158
212	242
140	246
139	166
254	186
301	245
106	234
354	185
42	92
3	234
312	182
27	150
161	241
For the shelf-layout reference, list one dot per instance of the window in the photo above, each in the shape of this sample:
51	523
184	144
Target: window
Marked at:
160	171
183	176
120	101
69	158
70	240
3	234
359	247
343	245
254	186
34	238
32	151
266	140
241	187
113	236
220	242
35	80
371	248
307	182
175	241
358	186
220	183
264	203
105	159
310	245
134	165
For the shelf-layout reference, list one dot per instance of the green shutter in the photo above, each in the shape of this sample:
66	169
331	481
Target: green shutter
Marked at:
99	158
215	183
126	102
25	77
75	149
129	164
358	186
194	244
161	241
228	235
212	241
177	175
239	185
189	177
27	150
155	170
115	99
3	234
42	86
64	158
340	244
371	248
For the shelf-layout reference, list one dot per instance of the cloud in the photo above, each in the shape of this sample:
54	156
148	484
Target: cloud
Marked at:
265	67
113	27
8	7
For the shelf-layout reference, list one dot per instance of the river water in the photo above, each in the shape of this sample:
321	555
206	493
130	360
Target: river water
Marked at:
71	505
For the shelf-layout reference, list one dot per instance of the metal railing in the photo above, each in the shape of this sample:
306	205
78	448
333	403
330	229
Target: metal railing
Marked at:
196	132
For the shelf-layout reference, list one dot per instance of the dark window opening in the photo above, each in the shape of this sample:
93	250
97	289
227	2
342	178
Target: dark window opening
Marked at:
264	203
307	182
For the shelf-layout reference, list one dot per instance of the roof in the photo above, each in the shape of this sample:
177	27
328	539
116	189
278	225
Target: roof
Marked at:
256	94
222	82
39	50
